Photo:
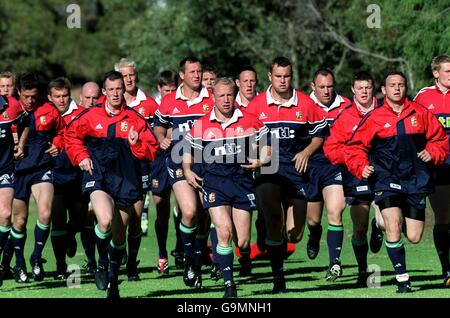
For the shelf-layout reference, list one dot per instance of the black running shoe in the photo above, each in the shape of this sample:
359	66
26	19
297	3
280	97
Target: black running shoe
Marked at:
230	291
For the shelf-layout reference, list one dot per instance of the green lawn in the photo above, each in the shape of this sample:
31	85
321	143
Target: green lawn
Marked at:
304	277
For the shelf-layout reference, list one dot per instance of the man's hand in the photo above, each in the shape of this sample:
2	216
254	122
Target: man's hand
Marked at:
18	153
165	143
52	151
368	171
86	165
424	156
254	164
132	136
301	160
191	178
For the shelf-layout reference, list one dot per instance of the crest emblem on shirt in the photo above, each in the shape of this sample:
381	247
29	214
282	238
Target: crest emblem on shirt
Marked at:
239	129
43	120
5	115
298	115
142	111
212	197
124	126
179	173
155	183
205	108
413	121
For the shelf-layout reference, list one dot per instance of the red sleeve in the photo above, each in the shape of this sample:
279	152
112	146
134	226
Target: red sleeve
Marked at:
73	140
59	127
335	142
437	144
357	148
146	147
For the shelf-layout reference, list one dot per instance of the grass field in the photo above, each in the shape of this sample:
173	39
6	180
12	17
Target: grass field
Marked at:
305	278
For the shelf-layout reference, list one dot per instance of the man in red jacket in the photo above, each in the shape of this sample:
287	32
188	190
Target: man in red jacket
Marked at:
436	98
393	147
34	174
357	192
106	142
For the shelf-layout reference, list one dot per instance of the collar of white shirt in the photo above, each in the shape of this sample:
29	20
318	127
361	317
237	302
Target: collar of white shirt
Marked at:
271	101
140	97
337	101
234	118
203	94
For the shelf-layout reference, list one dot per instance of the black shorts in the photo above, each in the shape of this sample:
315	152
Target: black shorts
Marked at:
412	205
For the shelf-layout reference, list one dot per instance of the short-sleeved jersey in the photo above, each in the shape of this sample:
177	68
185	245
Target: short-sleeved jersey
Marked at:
223	147
10	113
292	124
179	113
333	110
436	101
46	128
390	143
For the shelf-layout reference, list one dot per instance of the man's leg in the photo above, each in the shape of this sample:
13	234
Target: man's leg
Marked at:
43	195
117	248
242	221
221	218
268	196
103	206
18	238
6	200
360	219
314	219
335	205
187	198
440	202
162	205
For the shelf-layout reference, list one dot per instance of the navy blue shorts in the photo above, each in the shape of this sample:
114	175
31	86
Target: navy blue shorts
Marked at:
320	176
176	173
359	199
124	194
23	182
237	191
7	178
291	181
412	205
159	178
146	169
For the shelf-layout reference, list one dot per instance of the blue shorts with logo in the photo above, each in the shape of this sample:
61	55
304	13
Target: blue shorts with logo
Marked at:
176	173
159	179
356	191
24	181
237	191
124	192
321	175
7	178
291	181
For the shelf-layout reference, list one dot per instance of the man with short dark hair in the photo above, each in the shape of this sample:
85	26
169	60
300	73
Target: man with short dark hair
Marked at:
436	99
325	180
106	142
178	111
393	147
34	174
357	192
224	138
299	128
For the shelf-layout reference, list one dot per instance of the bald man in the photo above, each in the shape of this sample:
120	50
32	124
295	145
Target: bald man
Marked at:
90	93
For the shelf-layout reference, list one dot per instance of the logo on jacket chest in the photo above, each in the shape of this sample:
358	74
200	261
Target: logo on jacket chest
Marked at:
298	115
5	116
413	121
42	120
141	111
205	108
124	126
